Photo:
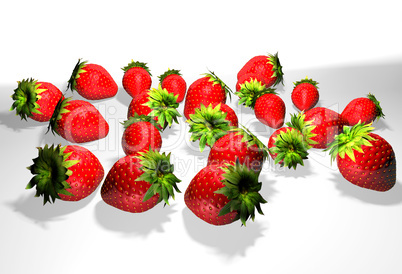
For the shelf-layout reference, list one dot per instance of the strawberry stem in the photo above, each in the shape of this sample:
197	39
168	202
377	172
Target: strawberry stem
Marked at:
78	69
25	98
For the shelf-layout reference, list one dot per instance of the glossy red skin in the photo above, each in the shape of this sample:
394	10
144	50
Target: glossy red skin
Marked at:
374	168
137	105
305	96
270	110
248	77
259	65
95	83
139	136
203	202
230	147
230	114
203	91
359	109
272	139
47	102
121	190
82	124
175	84
136	80
86	174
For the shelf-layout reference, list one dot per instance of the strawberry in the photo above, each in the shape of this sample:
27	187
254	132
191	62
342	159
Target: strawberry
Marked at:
69	173
364	158
210	123
78	121
36	100
267	66
248	77
366	110
220	195
174	82
141	134
92	81
270	109
305	94
136	78
241	144
137	183
206	90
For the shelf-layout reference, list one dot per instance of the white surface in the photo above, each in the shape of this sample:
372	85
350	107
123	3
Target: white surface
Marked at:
314	222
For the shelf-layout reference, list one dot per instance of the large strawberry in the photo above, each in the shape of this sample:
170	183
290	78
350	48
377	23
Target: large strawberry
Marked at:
305	94
78	121
364	158
141	134
173	81
206	90
210	123
364	109
69	173
136	183
92	81
220	195
36	100
136	78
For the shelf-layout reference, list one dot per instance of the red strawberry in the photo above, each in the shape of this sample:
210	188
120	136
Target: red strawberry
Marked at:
210	123
36	100
267	66
138	183
136	78
366	110
249	77
305	94
78	121
206	90
69	173
174	82
364	158
92	81
270	109
141	134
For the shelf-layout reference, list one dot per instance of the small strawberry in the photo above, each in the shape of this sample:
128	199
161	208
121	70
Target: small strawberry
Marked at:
136	78
141	134
206	90
305	94
92	81
78	121
137	183
365	159
270	109
220	195
174	82
69	173
210	123
366	110
36	100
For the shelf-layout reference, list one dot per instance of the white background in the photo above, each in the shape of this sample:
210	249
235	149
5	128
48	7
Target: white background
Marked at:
314	222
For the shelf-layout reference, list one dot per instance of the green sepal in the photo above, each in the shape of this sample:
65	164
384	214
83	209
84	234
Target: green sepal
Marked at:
158	171
250	91
51	171
217	81
298	121
306	80
352	139
78	69
380	113
140	118
167	73
135	64
241	187
57	114
25	98
250	139
276	68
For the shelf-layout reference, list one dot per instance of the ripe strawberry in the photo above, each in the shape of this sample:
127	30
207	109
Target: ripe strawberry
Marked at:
136	78
249	77
220	195
174	82
69	173
206	90
268	66
210	123
366	110
136	183
92	81
270	109
305	94
36	100
78	121
141	134
364	158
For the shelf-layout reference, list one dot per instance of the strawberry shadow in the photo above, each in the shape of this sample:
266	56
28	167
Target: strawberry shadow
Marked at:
123	97
14	122
300	172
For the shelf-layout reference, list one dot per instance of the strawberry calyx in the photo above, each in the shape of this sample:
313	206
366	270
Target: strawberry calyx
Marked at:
308	81
249	91
25	98
137	64
298	122
158	171
207	125
167	73
276	68
217	81
380	113
58	111
352	139
78	69
241	187
140	118
51	171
